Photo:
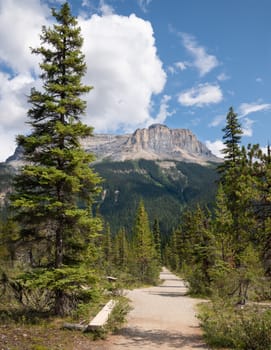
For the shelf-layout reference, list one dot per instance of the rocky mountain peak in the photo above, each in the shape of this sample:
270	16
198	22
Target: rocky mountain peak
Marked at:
157	142
159	138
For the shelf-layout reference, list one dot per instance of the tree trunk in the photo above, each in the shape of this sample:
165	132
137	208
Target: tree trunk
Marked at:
59	302
59	247
59	293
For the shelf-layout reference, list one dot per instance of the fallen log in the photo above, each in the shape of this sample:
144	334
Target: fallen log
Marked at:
75	326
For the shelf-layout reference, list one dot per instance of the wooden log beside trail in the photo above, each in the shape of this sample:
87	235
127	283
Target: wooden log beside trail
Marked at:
98	322
101	318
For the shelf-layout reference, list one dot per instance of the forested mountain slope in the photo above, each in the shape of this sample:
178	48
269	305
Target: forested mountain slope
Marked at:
167	187
168	168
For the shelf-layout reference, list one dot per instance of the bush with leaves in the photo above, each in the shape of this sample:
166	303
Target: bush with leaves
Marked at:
244	329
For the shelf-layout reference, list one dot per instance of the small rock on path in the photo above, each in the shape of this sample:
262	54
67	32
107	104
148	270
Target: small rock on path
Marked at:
163	317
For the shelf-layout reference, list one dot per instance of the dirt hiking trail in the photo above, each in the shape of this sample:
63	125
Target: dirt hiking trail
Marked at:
163	317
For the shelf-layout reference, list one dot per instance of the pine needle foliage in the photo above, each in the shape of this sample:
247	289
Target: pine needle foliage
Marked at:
144	257
56	189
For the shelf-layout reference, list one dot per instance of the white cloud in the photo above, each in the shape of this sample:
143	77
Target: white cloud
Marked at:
105	9
124	69
144	4
215	147
248	108
122	60
202	95
181	65
13	109
247	127
171	69
86	3
163	111
20	25
178	66
218	120
203	61
223	77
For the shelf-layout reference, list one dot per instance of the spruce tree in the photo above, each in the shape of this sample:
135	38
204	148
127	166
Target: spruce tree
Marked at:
121	250
261	167
55	189
232	139
144	257
223	227
157	239
174	255
107	248
235	178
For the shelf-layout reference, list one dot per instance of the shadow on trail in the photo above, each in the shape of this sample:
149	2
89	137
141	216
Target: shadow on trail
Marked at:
169	294
180	287
169	279
158	337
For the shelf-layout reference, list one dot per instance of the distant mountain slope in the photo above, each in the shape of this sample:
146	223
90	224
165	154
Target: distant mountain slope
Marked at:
168	168
167	187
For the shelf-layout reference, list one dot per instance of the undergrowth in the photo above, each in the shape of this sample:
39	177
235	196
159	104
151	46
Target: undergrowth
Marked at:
228	326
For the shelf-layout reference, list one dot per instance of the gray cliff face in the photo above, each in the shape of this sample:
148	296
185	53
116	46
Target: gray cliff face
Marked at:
162	142
155	142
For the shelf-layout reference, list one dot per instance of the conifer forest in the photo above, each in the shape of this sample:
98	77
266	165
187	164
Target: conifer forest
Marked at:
59	254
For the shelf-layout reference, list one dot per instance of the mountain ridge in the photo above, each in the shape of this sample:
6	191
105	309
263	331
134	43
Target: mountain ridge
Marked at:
152	143
157	142
168	168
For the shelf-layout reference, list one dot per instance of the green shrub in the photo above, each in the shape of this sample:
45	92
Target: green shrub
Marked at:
197	283
217	321
118	315
243	329
253	331
116	319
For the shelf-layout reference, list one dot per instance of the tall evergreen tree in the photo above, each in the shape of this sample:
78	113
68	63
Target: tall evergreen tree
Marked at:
55	190
173	258
261	167
223	227
232	139
121	250
237	183
157	239
107	248
144	257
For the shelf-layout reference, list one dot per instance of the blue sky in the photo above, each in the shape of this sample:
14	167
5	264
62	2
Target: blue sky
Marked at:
182	63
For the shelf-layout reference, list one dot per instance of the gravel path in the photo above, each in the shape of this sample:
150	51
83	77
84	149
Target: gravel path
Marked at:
162	318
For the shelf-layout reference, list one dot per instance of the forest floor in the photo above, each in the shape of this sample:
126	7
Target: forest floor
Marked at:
163	317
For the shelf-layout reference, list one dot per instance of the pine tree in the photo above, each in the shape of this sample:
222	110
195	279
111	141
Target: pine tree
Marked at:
121	250
175	252
55	190
223	227
195	248
237	183
232	139
261	167
107	247
157	239
144	262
